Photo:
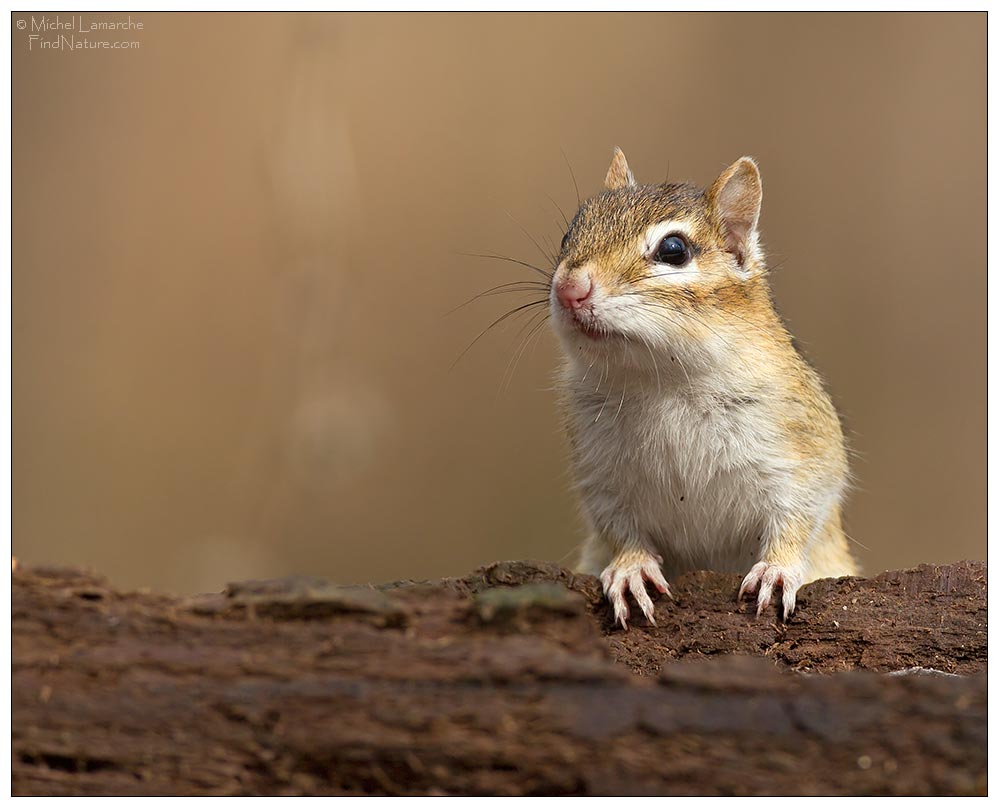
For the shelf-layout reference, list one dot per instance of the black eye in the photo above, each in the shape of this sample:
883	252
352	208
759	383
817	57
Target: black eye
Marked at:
673	250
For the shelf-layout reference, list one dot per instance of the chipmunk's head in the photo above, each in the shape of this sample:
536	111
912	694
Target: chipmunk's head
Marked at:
659	268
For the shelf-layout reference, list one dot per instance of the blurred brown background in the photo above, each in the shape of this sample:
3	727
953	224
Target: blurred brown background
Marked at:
234	248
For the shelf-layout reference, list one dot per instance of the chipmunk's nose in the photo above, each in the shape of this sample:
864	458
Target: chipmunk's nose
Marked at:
574	290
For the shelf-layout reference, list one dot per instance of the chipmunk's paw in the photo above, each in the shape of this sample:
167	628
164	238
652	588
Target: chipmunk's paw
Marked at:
767	576
630	570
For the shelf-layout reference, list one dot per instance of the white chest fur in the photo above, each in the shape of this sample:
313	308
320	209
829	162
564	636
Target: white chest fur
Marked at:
692	472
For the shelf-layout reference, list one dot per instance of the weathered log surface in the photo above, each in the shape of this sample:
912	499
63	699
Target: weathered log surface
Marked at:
509	681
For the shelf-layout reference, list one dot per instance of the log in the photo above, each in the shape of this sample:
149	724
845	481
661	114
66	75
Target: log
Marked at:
510	681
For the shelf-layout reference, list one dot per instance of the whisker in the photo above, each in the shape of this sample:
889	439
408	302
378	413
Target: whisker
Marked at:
600	379
503	288
514	357
606	399
652	356
624	389
535	330
538	331
562	212
549	258
859	544
573	175
496	257
575	549
551	246
495	323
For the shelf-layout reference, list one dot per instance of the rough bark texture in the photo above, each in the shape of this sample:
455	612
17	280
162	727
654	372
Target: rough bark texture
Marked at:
510	681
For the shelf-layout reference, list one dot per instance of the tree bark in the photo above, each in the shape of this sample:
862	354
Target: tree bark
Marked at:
512	680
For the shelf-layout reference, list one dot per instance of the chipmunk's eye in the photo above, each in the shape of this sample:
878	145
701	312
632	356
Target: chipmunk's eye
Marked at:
673	250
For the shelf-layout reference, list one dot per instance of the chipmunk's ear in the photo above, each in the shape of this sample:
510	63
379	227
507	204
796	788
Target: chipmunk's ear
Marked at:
736	197
618	175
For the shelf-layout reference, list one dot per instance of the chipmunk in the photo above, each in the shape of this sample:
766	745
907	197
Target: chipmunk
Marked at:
700	438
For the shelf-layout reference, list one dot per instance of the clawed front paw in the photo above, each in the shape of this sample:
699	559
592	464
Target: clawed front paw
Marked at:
767	576
631	570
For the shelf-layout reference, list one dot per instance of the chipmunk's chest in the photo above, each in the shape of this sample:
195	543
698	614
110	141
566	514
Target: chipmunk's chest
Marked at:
693	474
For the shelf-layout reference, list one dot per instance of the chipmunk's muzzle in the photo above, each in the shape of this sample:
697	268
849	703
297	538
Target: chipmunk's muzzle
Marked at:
575	303
572	291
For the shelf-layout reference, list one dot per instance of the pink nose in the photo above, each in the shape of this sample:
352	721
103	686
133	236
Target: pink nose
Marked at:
573	291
